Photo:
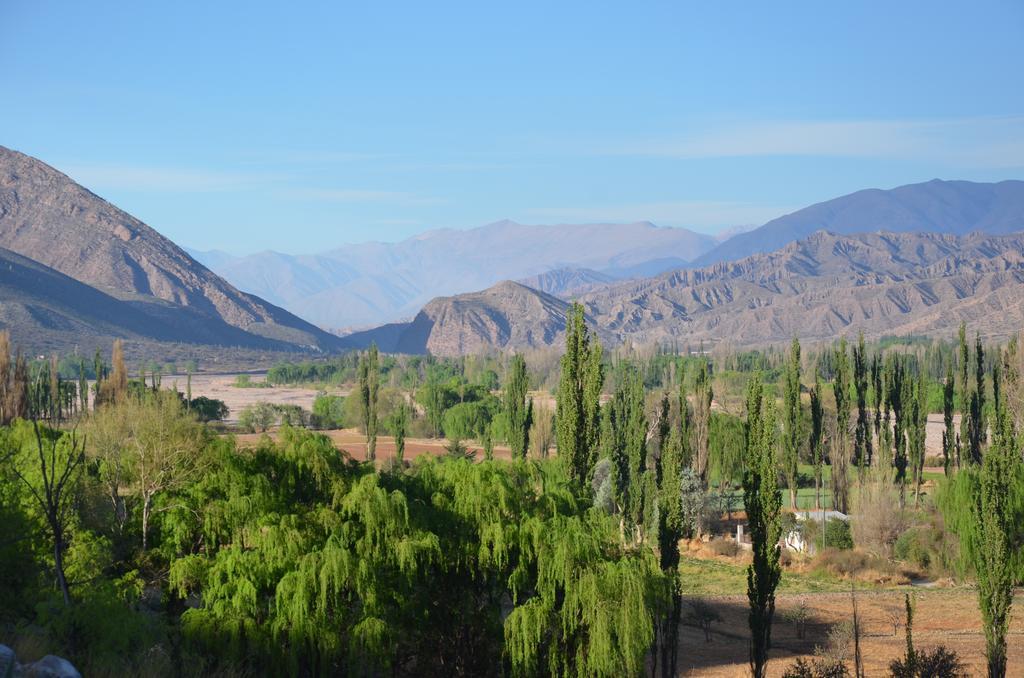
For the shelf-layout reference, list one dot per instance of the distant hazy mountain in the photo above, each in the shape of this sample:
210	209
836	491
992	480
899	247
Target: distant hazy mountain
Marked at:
819	288
369	283
957	207
567	283
49	219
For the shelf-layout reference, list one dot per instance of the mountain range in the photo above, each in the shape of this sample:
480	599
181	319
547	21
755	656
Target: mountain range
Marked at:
818	288
371	283
76	271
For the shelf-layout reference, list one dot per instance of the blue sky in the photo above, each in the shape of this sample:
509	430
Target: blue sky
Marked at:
302	126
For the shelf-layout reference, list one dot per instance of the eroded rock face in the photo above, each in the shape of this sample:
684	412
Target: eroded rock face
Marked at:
49	666
50	219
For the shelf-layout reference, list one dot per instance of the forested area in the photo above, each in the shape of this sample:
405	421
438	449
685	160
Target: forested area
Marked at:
136	539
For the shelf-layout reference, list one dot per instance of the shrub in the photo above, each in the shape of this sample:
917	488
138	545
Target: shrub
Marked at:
936	663
879	519
820	668
257	418
837	533
724	547
328	411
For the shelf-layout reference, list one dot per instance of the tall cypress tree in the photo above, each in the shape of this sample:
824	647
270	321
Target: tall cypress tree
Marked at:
840	447
918	421
518	407
369	386
949	446
763	505
817	432
878	388
898	401
862	433
703	395
964	355
792	429
976	409
993	518
577	415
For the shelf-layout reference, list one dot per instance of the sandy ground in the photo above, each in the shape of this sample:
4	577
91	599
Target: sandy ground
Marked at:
947	617
354	443
221	387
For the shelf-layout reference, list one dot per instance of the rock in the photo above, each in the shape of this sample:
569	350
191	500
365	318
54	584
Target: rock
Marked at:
8	661
50	666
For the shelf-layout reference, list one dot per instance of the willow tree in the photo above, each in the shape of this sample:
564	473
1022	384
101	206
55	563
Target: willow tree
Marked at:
369	386
518	408
763	504
577	416
791	420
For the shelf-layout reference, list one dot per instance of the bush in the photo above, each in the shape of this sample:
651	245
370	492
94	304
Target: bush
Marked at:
724	547
937	663
328	411
837	533
208	409
821	668
257	418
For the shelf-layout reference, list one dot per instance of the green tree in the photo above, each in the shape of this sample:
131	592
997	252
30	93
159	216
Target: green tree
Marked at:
518	407
817	434
994	518
369	387
792	422
763	504
949	443
399	425
840	445
918	420
51	470
577	415
862	449
703	395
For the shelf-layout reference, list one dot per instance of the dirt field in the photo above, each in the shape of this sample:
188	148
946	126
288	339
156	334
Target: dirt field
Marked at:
354	443
948	617
221	387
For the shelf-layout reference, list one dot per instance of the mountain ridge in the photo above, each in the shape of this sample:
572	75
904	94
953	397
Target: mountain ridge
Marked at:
817	288
48	218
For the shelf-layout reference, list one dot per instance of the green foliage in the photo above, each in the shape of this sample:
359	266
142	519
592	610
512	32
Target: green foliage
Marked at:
577	416
329	411
763	504
369	390
518	409
792	433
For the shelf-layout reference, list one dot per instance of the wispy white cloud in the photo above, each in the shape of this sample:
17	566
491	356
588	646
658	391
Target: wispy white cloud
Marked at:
974	141
154	178
357	195
705	216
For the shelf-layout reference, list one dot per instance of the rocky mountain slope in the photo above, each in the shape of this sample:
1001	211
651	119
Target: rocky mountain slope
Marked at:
957	207
49	219
568	283
369	283
819	288
507	316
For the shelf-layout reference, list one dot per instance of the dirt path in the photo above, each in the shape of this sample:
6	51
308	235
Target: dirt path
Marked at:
948	617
